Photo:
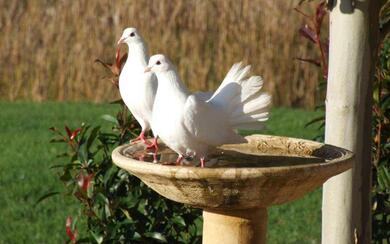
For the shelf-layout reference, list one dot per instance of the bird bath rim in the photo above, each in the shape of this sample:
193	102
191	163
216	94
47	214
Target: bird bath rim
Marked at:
123	161
230	188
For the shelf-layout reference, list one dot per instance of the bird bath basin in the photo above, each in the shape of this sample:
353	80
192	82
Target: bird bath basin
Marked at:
240	182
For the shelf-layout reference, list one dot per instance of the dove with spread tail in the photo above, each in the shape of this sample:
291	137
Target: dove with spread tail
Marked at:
191	126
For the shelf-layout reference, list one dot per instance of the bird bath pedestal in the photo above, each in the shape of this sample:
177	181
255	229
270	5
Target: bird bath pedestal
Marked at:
242	182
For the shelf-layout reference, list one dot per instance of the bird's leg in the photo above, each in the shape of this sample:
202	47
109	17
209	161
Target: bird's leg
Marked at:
179	160
138	138
153	145
155	159
202	162
142	138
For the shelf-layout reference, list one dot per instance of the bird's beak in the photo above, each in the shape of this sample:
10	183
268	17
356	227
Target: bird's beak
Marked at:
147	69
121	40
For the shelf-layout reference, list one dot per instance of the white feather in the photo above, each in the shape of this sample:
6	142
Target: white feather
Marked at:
230	87
242	98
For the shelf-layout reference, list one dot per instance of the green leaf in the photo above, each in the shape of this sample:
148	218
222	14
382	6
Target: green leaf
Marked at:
141	206
385	103
101	198
64	165
386	146
109	175
110	118
383	178
90	190
107	209
61	155
66	176
47	195
57	140
316	120
83	153
178	220
199	226
74	222
157	236
126	213
98	238
119	101
93	136
136	236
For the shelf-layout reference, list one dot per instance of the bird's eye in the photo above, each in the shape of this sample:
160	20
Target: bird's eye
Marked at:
132	34
158	62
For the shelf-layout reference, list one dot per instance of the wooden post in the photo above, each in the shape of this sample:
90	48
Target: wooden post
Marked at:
346	207
248	226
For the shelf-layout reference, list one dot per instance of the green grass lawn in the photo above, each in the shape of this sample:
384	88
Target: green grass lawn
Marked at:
26	155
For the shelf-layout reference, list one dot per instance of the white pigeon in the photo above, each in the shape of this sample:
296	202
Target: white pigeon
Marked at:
191	126
137	88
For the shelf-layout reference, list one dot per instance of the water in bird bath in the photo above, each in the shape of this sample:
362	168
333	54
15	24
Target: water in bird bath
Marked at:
226	157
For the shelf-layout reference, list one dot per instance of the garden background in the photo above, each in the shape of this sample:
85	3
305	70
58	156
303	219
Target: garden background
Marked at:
48	78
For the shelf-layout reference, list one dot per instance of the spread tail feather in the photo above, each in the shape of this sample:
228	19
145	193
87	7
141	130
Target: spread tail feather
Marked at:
242	99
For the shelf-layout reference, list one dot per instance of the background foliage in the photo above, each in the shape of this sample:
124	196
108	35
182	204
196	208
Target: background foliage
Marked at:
65	37
381	147
115	206
48	47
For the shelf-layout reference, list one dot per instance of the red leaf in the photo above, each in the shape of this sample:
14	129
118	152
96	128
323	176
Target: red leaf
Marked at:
320	13
122	60
87	182
84	181
68	226
307	32
119	61
68	131
74	134
309	60
106	65
118	58
376	110
325	47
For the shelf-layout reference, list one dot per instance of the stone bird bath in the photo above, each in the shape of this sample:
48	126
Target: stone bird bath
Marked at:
242	181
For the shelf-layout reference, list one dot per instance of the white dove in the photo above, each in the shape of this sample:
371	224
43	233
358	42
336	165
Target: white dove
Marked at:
138	89
191	126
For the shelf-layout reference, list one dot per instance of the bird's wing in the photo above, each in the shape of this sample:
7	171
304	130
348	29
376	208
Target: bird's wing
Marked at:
207	123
